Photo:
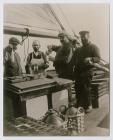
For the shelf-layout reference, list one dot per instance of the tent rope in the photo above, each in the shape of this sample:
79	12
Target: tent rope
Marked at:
24	51
27	35
28	46
67	21
57	19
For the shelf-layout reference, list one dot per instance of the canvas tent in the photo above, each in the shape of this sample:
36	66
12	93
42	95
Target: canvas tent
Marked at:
38	18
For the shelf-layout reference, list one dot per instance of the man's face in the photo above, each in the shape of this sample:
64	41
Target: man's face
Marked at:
85	38
64	39
49	48
36	47
14	46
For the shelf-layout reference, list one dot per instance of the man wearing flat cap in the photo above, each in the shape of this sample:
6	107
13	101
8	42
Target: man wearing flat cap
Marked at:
84	58
12	65
63	57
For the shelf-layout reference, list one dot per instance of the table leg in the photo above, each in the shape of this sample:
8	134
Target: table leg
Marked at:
95	96
49	98
69	95
19	107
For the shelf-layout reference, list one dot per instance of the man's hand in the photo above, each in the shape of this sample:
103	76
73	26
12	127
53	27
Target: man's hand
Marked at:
88	61
9	48
51	58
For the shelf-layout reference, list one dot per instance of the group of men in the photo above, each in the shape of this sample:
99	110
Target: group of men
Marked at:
70	62
76	63
36	60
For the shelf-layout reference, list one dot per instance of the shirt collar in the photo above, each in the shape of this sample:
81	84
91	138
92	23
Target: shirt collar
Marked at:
87	44
36	53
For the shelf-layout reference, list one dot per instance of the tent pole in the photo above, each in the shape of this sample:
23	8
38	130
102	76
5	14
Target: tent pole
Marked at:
32	33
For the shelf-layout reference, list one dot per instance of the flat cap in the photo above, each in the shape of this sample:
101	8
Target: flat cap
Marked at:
83	32
14	40
61	34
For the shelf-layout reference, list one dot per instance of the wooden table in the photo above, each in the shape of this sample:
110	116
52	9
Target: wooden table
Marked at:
23	91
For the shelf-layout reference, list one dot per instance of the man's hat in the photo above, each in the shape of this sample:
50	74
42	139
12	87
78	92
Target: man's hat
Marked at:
64	33
61	34
14	40
82	33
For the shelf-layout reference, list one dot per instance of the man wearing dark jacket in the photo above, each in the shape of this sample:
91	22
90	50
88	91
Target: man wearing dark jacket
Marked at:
63	57
83	59
12	65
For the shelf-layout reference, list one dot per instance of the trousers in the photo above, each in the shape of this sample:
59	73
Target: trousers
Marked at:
83	89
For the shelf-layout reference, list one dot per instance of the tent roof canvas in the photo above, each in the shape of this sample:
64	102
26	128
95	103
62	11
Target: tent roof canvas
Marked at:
33	16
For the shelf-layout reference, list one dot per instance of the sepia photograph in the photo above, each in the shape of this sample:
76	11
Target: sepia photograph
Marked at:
56	69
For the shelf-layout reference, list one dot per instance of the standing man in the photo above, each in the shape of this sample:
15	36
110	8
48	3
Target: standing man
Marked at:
83	59
36	60
12	65
63	57
50	54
